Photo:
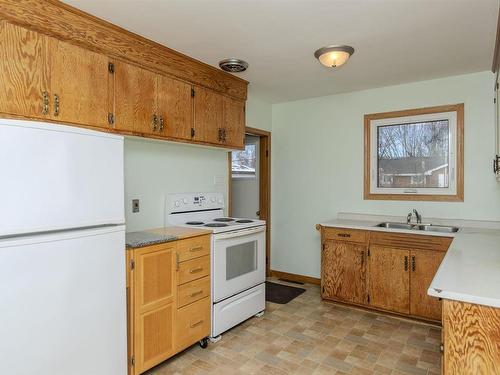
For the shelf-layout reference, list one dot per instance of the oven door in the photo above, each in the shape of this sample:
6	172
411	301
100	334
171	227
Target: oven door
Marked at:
238	261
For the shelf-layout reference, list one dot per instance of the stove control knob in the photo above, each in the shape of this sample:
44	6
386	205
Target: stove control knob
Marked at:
213	199
220	201
185	201
177	203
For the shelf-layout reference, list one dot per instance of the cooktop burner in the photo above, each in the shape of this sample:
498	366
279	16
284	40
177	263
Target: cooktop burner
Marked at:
244	221
195	222
215	225
224	219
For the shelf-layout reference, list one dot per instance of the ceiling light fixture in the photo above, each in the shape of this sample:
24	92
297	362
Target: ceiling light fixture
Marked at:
334	56
233	65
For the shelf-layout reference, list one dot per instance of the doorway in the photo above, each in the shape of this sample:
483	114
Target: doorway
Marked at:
249	179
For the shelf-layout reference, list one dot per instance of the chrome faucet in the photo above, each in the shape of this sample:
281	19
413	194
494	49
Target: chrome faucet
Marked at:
418	216
408	218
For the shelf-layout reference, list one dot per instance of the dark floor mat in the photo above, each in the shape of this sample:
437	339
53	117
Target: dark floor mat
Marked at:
279	293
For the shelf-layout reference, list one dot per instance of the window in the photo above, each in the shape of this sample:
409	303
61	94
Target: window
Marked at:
415	154
243	162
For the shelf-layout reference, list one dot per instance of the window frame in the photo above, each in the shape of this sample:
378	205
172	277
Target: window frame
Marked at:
455	192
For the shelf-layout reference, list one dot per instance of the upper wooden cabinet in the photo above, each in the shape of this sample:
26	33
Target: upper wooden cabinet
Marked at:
135	99
79	85
147	103
24	73
234	123
144	89
44	78
208	115
174	107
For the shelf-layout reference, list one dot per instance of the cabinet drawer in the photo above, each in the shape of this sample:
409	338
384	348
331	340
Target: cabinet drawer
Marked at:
193	323
194	269
349	235
193	291
193	248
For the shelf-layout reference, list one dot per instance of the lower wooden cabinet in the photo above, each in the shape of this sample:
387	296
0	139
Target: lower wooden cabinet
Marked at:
389	279
423	265
471	339
192	323
168	300
386	271
343	271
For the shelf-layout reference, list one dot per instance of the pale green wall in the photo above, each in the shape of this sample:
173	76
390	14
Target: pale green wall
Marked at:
317	162
155	168
258	113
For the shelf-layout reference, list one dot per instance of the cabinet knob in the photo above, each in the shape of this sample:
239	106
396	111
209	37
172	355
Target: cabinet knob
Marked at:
45	103
154	122
161	124
56	105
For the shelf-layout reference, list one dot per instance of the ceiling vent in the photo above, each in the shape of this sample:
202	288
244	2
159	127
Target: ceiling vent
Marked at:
233	65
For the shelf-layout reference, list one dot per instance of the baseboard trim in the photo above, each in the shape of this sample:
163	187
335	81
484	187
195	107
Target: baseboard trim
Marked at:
295	277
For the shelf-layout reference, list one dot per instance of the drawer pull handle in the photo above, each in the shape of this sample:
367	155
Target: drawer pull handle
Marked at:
196	248
195	270
194	294
177	261
344	235
196	324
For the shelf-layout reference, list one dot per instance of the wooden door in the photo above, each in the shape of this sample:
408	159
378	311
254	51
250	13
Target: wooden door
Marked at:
154	305
135	99
424	265
343	271
79	81
24	72
174	107
208	116
389	278
234	123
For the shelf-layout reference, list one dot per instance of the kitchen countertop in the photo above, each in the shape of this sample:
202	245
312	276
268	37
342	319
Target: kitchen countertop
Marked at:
160	235
470	271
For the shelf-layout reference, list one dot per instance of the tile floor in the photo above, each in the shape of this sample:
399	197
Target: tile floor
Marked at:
308	336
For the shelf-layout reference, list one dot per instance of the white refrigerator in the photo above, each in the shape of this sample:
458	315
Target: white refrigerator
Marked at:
62	251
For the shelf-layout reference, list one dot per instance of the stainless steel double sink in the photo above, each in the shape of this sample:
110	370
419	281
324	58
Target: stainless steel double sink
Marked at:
419	227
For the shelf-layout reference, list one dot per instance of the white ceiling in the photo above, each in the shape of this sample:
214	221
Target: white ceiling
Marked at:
396	41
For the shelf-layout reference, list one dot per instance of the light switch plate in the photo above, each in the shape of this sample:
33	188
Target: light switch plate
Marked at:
135	205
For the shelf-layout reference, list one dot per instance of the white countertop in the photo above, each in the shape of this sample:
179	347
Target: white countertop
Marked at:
470	271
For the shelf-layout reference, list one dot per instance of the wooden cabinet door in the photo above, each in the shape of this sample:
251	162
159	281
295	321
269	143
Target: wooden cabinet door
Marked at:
154	305
175	107
389	278
343	271
234	123
135	99
424	265
208	115
79	81
24	72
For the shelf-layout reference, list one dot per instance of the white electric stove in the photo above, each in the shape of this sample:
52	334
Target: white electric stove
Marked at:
238	261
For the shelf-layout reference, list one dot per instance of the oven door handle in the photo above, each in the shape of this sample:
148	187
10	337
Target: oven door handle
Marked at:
240	233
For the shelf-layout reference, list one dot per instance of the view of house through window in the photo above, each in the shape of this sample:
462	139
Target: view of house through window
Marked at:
413	155
243	162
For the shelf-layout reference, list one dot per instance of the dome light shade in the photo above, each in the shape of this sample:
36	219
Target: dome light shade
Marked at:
334	56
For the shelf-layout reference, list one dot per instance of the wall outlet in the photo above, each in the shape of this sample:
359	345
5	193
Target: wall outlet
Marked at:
135	205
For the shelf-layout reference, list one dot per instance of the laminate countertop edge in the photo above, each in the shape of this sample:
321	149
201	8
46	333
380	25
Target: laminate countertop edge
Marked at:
470	270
